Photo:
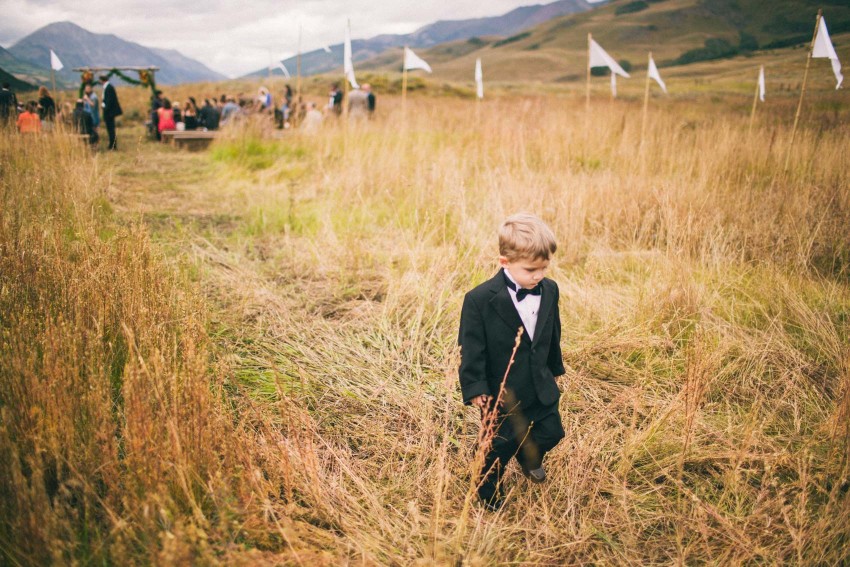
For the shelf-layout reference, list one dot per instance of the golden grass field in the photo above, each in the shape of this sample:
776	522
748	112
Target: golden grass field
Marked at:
247	355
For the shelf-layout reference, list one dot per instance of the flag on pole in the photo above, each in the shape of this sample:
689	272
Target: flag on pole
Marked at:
55	64
347	63
479	78
654	74
283	68
598	57
823	48
761	84
413	61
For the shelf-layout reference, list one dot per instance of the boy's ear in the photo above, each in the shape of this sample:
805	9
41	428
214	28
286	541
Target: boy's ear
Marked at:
503	261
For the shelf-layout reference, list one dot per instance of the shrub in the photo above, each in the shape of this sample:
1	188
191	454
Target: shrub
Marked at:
631	7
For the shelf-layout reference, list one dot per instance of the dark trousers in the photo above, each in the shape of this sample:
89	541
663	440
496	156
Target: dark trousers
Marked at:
110	130
525	434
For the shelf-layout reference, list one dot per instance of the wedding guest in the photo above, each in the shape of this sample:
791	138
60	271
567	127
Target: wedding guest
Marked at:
91	104
28	120
111	110
165	117
46	109
8	105
83	122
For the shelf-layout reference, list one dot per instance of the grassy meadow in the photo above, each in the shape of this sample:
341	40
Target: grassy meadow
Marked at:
248	355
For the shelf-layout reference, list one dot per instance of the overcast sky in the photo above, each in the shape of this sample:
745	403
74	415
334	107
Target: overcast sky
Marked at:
236	37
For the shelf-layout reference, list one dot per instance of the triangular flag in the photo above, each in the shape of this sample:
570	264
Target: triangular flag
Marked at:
479	78
823	48
413	61
347	63
761	83
55	64
654	74
283	68
599	58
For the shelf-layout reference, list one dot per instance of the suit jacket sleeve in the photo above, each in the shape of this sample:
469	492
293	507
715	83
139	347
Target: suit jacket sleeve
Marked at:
473	353
556	359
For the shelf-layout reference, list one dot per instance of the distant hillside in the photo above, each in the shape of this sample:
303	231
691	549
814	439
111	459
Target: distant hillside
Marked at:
77	47
676	31
320	61
17	85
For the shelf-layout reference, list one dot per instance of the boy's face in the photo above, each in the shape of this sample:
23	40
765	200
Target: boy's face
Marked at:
525	271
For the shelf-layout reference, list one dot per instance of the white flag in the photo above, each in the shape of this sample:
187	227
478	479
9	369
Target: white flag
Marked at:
283	68
479	78
823	48
55	64
347	63
761	83
413	61
326	48
599	58
654	74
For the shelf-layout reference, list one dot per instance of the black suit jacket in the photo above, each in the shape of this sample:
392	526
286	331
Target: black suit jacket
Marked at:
111	107
488	326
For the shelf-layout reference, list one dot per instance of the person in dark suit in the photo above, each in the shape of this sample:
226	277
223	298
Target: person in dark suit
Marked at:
111	109
518	299
83	122
8	106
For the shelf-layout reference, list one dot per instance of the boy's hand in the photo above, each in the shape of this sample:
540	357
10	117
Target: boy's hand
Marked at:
481	401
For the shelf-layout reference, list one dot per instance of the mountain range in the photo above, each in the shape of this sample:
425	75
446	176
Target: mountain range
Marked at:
29	58
677	32
442	31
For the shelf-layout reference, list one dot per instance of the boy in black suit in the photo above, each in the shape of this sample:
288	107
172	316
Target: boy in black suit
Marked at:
528	423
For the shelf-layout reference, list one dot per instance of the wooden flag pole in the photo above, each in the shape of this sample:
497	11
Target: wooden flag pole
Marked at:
803	90
294	112
645	103
753	111
404	84
52	73
345	81
587	88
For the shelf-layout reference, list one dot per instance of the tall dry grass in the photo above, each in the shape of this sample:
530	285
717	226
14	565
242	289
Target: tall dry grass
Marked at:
705	307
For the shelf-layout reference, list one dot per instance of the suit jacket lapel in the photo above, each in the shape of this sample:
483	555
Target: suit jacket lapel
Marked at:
547	301
503	305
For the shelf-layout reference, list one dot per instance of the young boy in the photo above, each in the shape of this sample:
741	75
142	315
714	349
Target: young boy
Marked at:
528	423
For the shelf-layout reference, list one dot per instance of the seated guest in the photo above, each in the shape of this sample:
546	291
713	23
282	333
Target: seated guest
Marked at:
28	120
312	119
165	117
83	122
209	115
190	115
230	111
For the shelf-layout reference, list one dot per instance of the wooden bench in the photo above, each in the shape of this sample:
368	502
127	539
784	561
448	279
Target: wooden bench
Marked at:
191	140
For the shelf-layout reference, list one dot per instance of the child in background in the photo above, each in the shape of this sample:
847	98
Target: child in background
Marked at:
28	120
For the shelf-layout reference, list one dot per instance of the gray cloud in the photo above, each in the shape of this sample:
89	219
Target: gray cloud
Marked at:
236	38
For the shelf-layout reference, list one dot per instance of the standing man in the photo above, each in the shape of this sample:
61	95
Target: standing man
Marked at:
370	99
8	105
111	109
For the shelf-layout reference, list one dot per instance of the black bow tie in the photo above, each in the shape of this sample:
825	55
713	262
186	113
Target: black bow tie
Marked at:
521	293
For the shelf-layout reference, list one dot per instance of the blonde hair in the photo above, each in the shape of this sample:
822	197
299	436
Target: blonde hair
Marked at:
524	235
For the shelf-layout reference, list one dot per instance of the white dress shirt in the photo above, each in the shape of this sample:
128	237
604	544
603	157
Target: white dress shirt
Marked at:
527	308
